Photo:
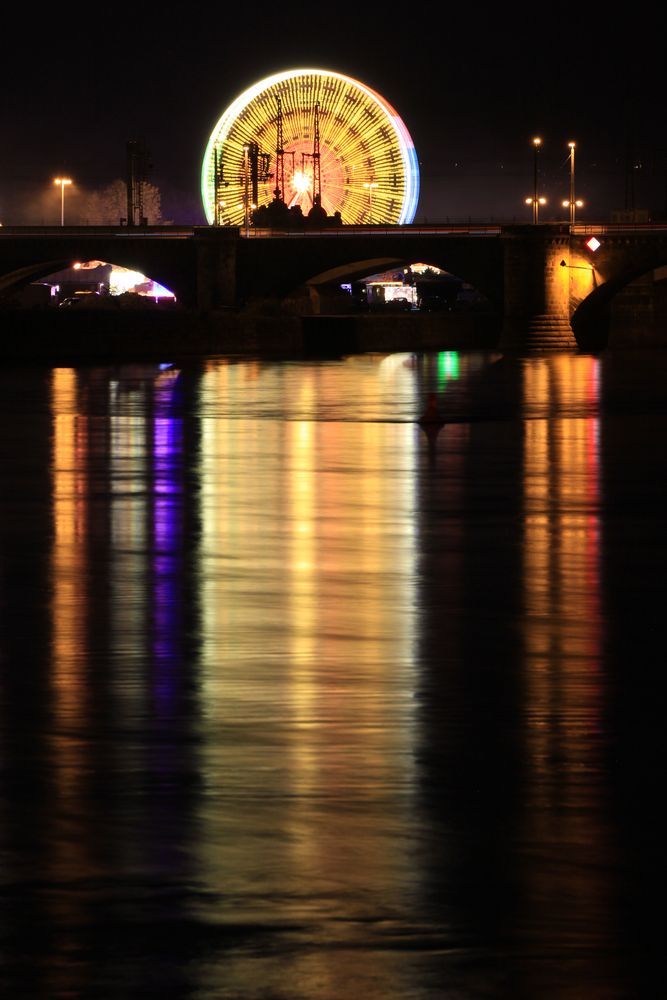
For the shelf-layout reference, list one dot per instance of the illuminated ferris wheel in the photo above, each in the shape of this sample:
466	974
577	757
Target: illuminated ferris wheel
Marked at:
309	136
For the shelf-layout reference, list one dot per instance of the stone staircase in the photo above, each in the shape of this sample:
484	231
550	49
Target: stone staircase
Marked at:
549	331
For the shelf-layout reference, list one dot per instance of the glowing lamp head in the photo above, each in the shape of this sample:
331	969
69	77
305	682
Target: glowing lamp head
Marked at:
300	181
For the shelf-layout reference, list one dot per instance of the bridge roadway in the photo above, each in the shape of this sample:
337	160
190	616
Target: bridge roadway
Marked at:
545	280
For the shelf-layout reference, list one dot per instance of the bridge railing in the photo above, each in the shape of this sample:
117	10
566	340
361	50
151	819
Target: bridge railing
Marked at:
92	232
609	228
346	231
442	229
461	229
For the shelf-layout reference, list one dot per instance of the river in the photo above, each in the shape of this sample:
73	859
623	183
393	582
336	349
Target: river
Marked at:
301	701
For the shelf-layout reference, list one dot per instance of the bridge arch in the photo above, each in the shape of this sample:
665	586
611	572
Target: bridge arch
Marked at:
68	283
357	271
281	267
354	271
169	257
12	281
595	289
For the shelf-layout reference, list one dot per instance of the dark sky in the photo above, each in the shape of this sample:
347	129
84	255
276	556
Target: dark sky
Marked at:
472	90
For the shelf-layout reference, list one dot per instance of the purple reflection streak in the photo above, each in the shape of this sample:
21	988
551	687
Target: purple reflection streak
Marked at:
167	548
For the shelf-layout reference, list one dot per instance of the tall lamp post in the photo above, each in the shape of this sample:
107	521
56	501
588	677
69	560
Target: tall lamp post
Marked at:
572	146
537	142
536	202
370	185
573	204
62	183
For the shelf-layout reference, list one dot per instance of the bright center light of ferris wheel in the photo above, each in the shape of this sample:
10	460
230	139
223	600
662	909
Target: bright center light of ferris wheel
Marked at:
363	143
300	181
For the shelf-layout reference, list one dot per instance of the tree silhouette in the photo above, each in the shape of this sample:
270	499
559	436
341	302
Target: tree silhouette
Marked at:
109	205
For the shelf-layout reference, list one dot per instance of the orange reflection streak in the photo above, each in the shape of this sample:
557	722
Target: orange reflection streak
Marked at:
562	635
69	604
71	856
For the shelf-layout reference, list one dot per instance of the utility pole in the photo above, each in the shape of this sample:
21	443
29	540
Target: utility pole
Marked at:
219	185
315	156
137	168
279	191
255	169
317	177
246	188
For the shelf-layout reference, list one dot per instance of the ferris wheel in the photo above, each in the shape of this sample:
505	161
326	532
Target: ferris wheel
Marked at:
310	136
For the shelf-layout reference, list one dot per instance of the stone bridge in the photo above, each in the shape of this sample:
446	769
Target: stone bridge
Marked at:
548	282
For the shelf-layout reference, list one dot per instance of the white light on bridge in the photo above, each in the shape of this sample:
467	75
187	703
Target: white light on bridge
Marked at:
593	243
123	280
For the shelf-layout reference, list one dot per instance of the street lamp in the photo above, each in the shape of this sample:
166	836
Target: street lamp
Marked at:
536	202
537	142
62	183
370	185
573	204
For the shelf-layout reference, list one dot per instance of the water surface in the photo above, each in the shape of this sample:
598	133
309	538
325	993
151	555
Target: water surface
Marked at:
301	700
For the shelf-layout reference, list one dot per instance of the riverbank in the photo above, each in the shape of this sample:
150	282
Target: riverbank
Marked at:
50	335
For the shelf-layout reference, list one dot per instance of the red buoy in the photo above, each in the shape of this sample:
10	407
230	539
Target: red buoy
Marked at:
431	414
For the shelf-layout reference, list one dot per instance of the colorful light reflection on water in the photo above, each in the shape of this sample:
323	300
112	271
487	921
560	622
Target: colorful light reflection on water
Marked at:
312	703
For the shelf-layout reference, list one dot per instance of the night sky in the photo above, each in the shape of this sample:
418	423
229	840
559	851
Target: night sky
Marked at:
80	82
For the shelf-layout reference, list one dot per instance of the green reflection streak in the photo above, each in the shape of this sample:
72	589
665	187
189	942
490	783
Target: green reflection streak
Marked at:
448	366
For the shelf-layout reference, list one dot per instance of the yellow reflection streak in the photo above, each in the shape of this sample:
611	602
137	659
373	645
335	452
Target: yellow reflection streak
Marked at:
352	731
304	572
307	574
128	458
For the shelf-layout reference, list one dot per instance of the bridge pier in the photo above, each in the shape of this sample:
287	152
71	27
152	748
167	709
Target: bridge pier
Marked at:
216	250
537	290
